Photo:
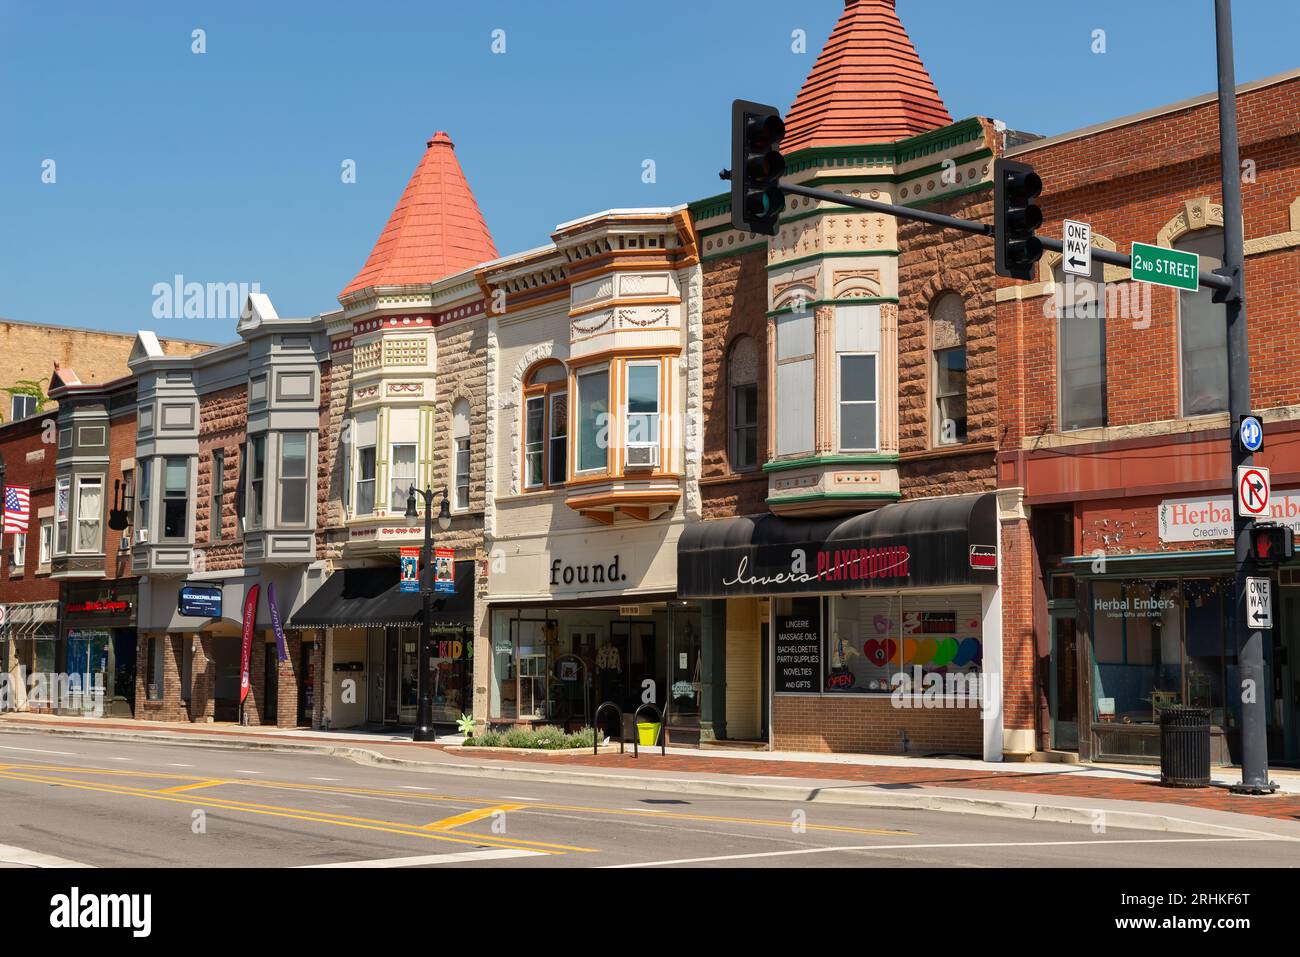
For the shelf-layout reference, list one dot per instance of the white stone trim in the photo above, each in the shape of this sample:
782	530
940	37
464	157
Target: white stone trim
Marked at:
694	433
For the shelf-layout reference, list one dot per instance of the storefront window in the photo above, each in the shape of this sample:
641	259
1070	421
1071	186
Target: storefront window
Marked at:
1137	649
883	643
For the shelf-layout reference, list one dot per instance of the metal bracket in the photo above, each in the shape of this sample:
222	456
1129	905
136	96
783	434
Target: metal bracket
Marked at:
1233	293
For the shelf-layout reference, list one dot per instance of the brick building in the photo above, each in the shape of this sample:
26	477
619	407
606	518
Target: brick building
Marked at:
1113	461
29	350
407	399
29	636
851	419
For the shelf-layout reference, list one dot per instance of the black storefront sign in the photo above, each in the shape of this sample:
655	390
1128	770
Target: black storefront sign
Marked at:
199	601
797	648
926	543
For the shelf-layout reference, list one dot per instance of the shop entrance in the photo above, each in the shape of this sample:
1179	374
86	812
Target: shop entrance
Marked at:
225	691
393	669
1063	694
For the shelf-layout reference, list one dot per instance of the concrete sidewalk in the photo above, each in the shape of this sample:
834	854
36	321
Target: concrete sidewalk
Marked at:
1083	794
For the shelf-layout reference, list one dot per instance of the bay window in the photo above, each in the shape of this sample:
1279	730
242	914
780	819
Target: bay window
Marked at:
858	402
593	420
642	414
142	501
47	543
62	502
365	497
795	415
402	476
90	508
176	498
293	478
255	508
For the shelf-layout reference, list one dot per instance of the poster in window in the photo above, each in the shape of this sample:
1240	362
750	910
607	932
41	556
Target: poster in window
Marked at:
797	649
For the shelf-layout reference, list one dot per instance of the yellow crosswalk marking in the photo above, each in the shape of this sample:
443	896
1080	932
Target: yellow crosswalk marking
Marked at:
469	817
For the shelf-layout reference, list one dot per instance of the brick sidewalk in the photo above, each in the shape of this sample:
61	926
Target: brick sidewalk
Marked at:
1065	783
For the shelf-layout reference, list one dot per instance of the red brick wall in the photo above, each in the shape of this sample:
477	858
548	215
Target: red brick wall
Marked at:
1129	183
19	440
856	723
735	304
1019	654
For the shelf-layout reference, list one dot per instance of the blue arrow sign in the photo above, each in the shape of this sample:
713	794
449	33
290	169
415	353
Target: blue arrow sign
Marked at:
1251	433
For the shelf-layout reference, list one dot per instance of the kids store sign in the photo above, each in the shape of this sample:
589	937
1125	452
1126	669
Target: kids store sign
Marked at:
1209	517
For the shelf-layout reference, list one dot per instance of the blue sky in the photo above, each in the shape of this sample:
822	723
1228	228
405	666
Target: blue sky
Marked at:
225	166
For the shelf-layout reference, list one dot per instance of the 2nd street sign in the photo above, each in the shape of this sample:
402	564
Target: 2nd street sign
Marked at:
1165	267
1259	603
1252	490
1076	248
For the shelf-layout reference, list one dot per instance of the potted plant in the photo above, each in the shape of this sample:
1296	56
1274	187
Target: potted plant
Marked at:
465	725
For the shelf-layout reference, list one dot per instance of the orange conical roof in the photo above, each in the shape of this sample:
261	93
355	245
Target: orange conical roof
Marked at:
867	86
435	230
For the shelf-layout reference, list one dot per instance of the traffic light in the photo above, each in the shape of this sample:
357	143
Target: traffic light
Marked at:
1272	543
756	167
1015	187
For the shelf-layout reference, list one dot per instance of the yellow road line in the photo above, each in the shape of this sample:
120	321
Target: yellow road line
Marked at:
469	817
300	814
193	787
491	804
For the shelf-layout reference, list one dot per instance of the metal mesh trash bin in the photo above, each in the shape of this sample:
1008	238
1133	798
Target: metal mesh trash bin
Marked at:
1185	747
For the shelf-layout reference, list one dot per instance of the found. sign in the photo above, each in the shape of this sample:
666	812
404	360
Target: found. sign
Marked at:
1076	248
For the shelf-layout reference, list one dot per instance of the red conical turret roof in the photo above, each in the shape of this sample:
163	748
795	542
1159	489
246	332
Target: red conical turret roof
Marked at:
867	86
435	230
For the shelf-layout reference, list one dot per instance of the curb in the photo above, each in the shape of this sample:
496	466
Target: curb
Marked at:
1029	810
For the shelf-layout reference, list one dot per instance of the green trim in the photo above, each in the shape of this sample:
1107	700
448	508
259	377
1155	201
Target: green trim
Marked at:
883	458
935	141
832	497
735	251
772	267
847	301
723	228
710	206
1149	556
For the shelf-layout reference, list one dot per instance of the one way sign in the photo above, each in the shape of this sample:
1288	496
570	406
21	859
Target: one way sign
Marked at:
1076	248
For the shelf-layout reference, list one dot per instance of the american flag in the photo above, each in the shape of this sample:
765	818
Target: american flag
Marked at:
18	504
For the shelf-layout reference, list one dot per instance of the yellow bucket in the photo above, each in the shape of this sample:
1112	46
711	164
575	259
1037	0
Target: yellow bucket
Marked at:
647	733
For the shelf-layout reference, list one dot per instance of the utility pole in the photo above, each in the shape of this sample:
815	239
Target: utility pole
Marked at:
1249	641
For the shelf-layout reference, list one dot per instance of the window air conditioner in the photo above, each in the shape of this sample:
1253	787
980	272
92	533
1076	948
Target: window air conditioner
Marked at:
642	456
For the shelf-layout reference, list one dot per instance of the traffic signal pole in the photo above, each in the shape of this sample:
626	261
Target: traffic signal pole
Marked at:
1253	684
1211	280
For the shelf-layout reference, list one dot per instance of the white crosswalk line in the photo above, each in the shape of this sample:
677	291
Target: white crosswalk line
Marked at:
460	857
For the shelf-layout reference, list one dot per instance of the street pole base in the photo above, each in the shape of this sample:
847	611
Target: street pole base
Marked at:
1253	789
423	734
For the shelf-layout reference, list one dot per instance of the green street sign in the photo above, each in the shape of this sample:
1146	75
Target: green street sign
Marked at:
1165	267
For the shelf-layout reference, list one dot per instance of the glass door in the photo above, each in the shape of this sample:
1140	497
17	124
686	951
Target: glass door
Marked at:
684	688
1064	689
406	644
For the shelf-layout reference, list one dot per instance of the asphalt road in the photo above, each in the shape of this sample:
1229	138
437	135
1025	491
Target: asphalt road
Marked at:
66	800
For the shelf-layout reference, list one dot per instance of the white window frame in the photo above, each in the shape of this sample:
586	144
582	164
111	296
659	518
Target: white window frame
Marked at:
939	440
655	417
46	553
529	450
396	494
286	480
162	517
18	554
84	481
840	402
63	522
359	481
460	457
142	500
14	401
255	492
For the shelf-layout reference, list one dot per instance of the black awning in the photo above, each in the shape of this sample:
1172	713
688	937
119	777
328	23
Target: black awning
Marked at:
930	542
356	597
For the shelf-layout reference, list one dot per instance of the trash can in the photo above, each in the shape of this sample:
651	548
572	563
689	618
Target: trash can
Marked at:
1185	747
648	733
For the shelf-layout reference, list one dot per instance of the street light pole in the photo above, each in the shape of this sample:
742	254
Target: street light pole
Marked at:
424	708
1249	641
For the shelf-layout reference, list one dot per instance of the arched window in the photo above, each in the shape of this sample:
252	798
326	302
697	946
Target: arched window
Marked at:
948	344
742	404
1203	332
546	425
1081	349
460	453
